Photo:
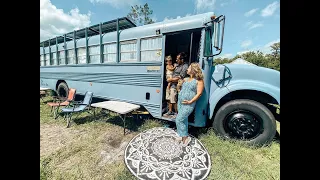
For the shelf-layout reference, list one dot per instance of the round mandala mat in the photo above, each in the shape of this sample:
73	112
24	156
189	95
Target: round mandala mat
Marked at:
155	154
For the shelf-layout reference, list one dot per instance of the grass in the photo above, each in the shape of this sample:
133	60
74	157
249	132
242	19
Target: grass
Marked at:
79	151
234	160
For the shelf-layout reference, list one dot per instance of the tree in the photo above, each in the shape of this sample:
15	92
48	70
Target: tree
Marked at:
222	61
141	14
275	48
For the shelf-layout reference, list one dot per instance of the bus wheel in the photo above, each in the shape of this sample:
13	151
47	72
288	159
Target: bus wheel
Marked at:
245	120
63	90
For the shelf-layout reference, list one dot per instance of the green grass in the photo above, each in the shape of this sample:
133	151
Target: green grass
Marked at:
75	153
234	160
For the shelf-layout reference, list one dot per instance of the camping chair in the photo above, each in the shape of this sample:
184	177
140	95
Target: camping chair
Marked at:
61	102
77	106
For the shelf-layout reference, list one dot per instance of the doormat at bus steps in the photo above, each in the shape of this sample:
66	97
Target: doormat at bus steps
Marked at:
155	154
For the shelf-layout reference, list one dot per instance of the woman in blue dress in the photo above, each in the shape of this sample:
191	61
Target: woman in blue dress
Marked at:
191	91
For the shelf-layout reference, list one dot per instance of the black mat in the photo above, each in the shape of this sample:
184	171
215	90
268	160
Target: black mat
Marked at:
155	154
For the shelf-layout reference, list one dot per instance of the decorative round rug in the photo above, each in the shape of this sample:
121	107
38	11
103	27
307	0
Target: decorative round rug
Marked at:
155	154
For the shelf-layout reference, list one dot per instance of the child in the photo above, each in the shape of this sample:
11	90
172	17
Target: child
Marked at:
169	73
169	69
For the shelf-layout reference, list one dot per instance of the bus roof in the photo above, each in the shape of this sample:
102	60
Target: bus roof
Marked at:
130	30
106	27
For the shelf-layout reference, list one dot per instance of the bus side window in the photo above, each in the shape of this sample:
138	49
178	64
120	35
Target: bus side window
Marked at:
70	56
44	59
53	58
110	52
62	60
94	54
151	49
81	53
128	51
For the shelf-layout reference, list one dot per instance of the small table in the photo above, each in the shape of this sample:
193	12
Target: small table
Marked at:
44	89
121	108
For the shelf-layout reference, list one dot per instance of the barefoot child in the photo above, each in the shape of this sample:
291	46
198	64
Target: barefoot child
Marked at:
169	69
169	73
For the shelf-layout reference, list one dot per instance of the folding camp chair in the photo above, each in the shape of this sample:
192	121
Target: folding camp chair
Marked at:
77	106
61	102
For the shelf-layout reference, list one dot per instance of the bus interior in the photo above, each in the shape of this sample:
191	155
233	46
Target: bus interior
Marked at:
184	41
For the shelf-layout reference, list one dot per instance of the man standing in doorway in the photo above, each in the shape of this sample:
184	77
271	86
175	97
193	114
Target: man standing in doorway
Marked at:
180	72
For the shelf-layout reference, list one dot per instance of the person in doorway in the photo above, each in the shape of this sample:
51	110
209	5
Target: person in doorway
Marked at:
191	91
169	73
179	72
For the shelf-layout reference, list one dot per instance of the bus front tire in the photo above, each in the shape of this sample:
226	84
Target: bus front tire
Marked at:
245	120
63	90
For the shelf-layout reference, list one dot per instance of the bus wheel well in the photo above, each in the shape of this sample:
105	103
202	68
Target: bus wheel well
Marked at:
58	82
258	96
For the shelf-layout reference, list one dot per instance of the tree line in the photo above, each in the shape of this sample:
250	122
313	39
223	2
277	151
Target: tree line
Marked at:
269	60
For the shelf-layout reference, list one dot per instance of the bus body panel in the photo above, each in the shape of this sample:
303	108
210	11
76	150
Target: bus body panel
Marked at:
242	77
126	81
129	82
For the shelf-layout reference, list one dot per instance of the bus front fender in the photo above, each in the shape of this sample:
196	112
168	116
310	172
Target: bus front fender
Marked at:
219	93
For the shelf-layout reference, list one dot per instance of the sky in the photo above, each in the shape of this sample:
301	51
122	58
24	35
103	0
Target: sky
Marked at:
250	24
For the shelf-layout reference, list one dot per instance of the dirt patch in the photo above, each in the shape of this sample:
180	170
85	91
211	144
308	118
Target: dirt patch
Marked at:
53	137
114	148
109	145
114	141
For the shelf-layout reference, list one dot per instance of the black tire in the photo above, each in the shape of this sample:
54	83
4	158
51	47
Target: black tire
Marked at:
245	120
63	90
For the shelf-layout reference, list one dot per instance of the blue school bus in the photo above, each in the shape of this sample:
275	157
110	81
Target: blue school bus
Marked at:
118	61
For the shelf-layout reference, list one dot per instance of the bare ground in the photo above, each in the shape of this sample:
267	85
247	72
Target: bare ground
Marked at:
54	138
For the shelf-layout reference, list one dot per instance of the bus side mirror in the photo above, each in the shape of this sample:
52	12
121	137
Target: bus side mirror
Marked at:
214	37
216	31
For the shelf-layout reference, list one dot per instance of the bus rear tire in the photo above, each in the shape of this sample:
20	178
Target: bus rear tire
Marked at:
246	120
63	90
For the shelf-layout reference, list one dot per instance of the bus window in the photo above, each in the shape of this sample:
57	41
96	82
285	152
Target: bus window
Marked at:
81	52
53	58
110	52
40	60
128	51
94	54
70	56
62	60
44	59
151	49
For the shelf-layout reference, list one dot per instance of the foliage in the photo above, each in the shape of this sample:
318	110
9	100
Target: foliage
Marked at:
141	14
271	60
